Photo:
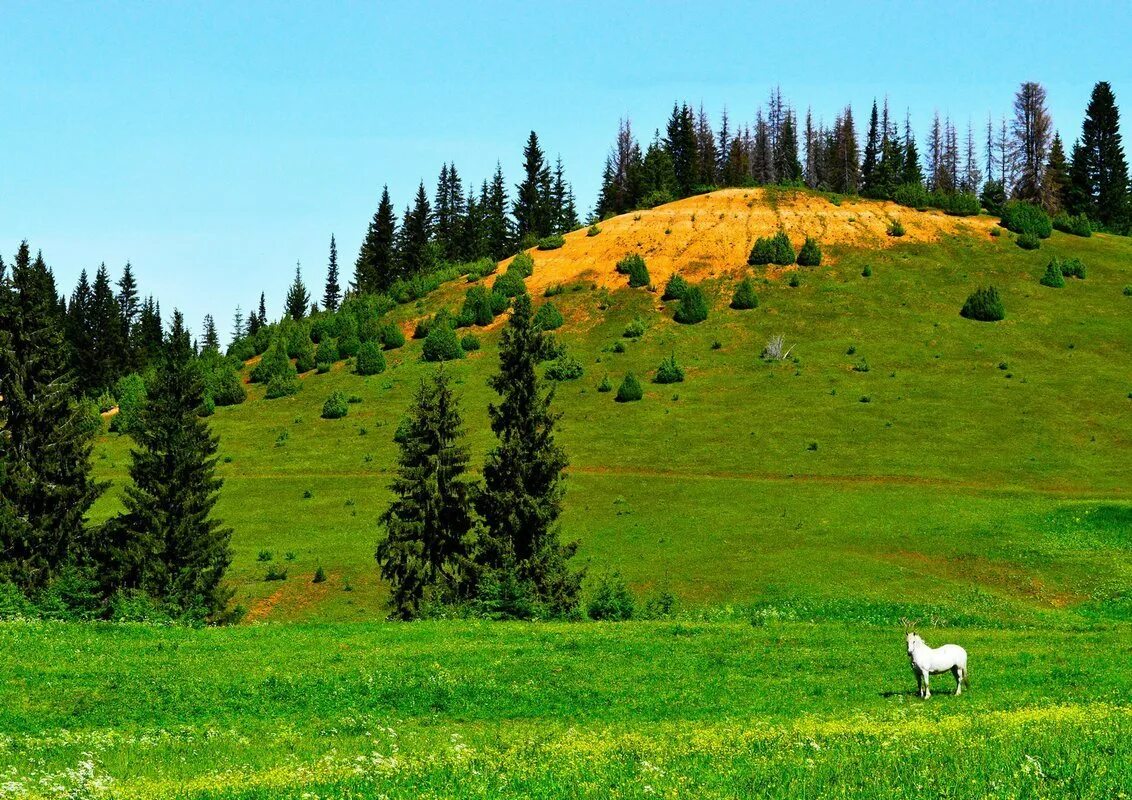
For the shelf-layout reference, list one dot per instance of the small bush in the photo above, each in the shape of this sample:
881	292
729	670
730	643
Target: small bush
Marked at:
1073	268
618	347
896	228
327	352
282	386
783	250
265	555
744	297
1077	225
634	266
509	284
1053	277
594	230
762	253
993	197
370	360
867	272
132	396
810	254
552	242
606	385
441	344
1128	290
470	343
390	336
911	195
635	329
795	280
984	305
275	362
319	575
675	288
276	574
548	317
611	601
669	371
693	307
630	389
564	368
959	204
478	308
996	232
522	265
1028	241
1026	218
348	345
335	406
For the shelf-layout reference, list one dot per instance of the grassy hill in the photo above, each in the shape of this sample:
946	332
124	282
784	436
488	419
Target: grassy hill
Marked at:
975	471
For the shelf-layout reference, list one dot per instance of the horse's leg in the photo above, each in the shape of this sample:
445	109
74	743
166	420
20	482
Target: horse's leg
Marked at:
927	686
957	671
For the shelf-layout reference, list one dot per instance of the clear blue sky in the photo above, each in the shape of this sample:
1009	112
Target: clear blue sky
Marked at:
214	144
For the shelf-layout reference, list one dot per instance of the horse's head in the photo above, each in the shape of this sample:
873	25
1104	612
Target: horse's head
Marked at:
913	639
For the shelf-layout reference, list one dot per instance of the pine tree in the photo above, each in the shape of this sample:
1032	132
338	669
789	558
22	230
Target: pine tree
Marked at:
522	495
911	173
972	177
375	269
564	216
1056	177
872	153
532	201
46	487
128	298
298	299
680	143
168	543
1101	180
497	224
473	233
78	334
210	339
333	292
149	332
424	555
108	339
1032	131
262	310
414	245
706	156
762	157
789	168
238	328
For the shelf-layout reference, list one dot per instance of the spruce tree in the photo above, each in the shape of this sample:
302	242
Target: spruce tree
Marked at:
210	340
872	152
149	334
46	487
333	291
107	335
168	543
238	328
497	224
262	310
298	299
375	269
414	249
1056	177
78	333
424	555
680	143
1032	131
533	204
1101	180
522	496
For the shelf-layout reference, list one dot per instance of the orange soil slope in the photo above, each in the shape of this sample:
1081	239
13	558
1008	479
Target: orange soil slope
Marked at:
712	234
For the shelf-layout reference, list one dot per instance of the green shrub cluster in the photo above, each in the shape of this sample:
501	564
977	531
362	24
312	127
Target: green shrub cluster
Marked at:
594	230
564	368
611	600
675	288
335	406
896	228
810	254
630	389
470	343
304	355
479	308
509	284
282	386
548	317
552	242
915	195
1028	241
390	336
634	266
669	371
1053	277
773	250
993	197
275	363
370	360
635	329
327	352
222	383
745	297
1072	268
132	394
1078	225
1026	218
607	386
693	307
984	305
441	343
522	265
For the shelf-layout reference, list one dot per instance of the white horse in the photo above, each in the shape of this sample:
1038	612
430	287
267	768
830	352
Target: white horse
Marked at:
928	661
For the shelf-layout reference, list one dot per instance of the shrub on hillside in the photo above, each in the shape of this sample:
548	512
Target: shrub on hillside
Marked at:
222	383
993	197
131	392
564	368
607	386
634	266
895	228
630	389
390	336
958	204
669	371
783	250
762	253
348	345
552	242
611	601
335	406
478	309
548	317
1022	217
1073	268
522	265
675	288
296	336
509	284
912	195
810	254
1053	277
242	349
282	386
370	360
693	307
594	230
304	357
984	305
275	363
441	344
481	268
1028	241
470	343
1077	225
327	352
744	297
635	329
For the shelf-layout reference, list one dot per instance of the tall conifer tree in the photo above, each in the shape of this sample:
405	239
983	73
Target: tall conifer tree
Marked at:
332	293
